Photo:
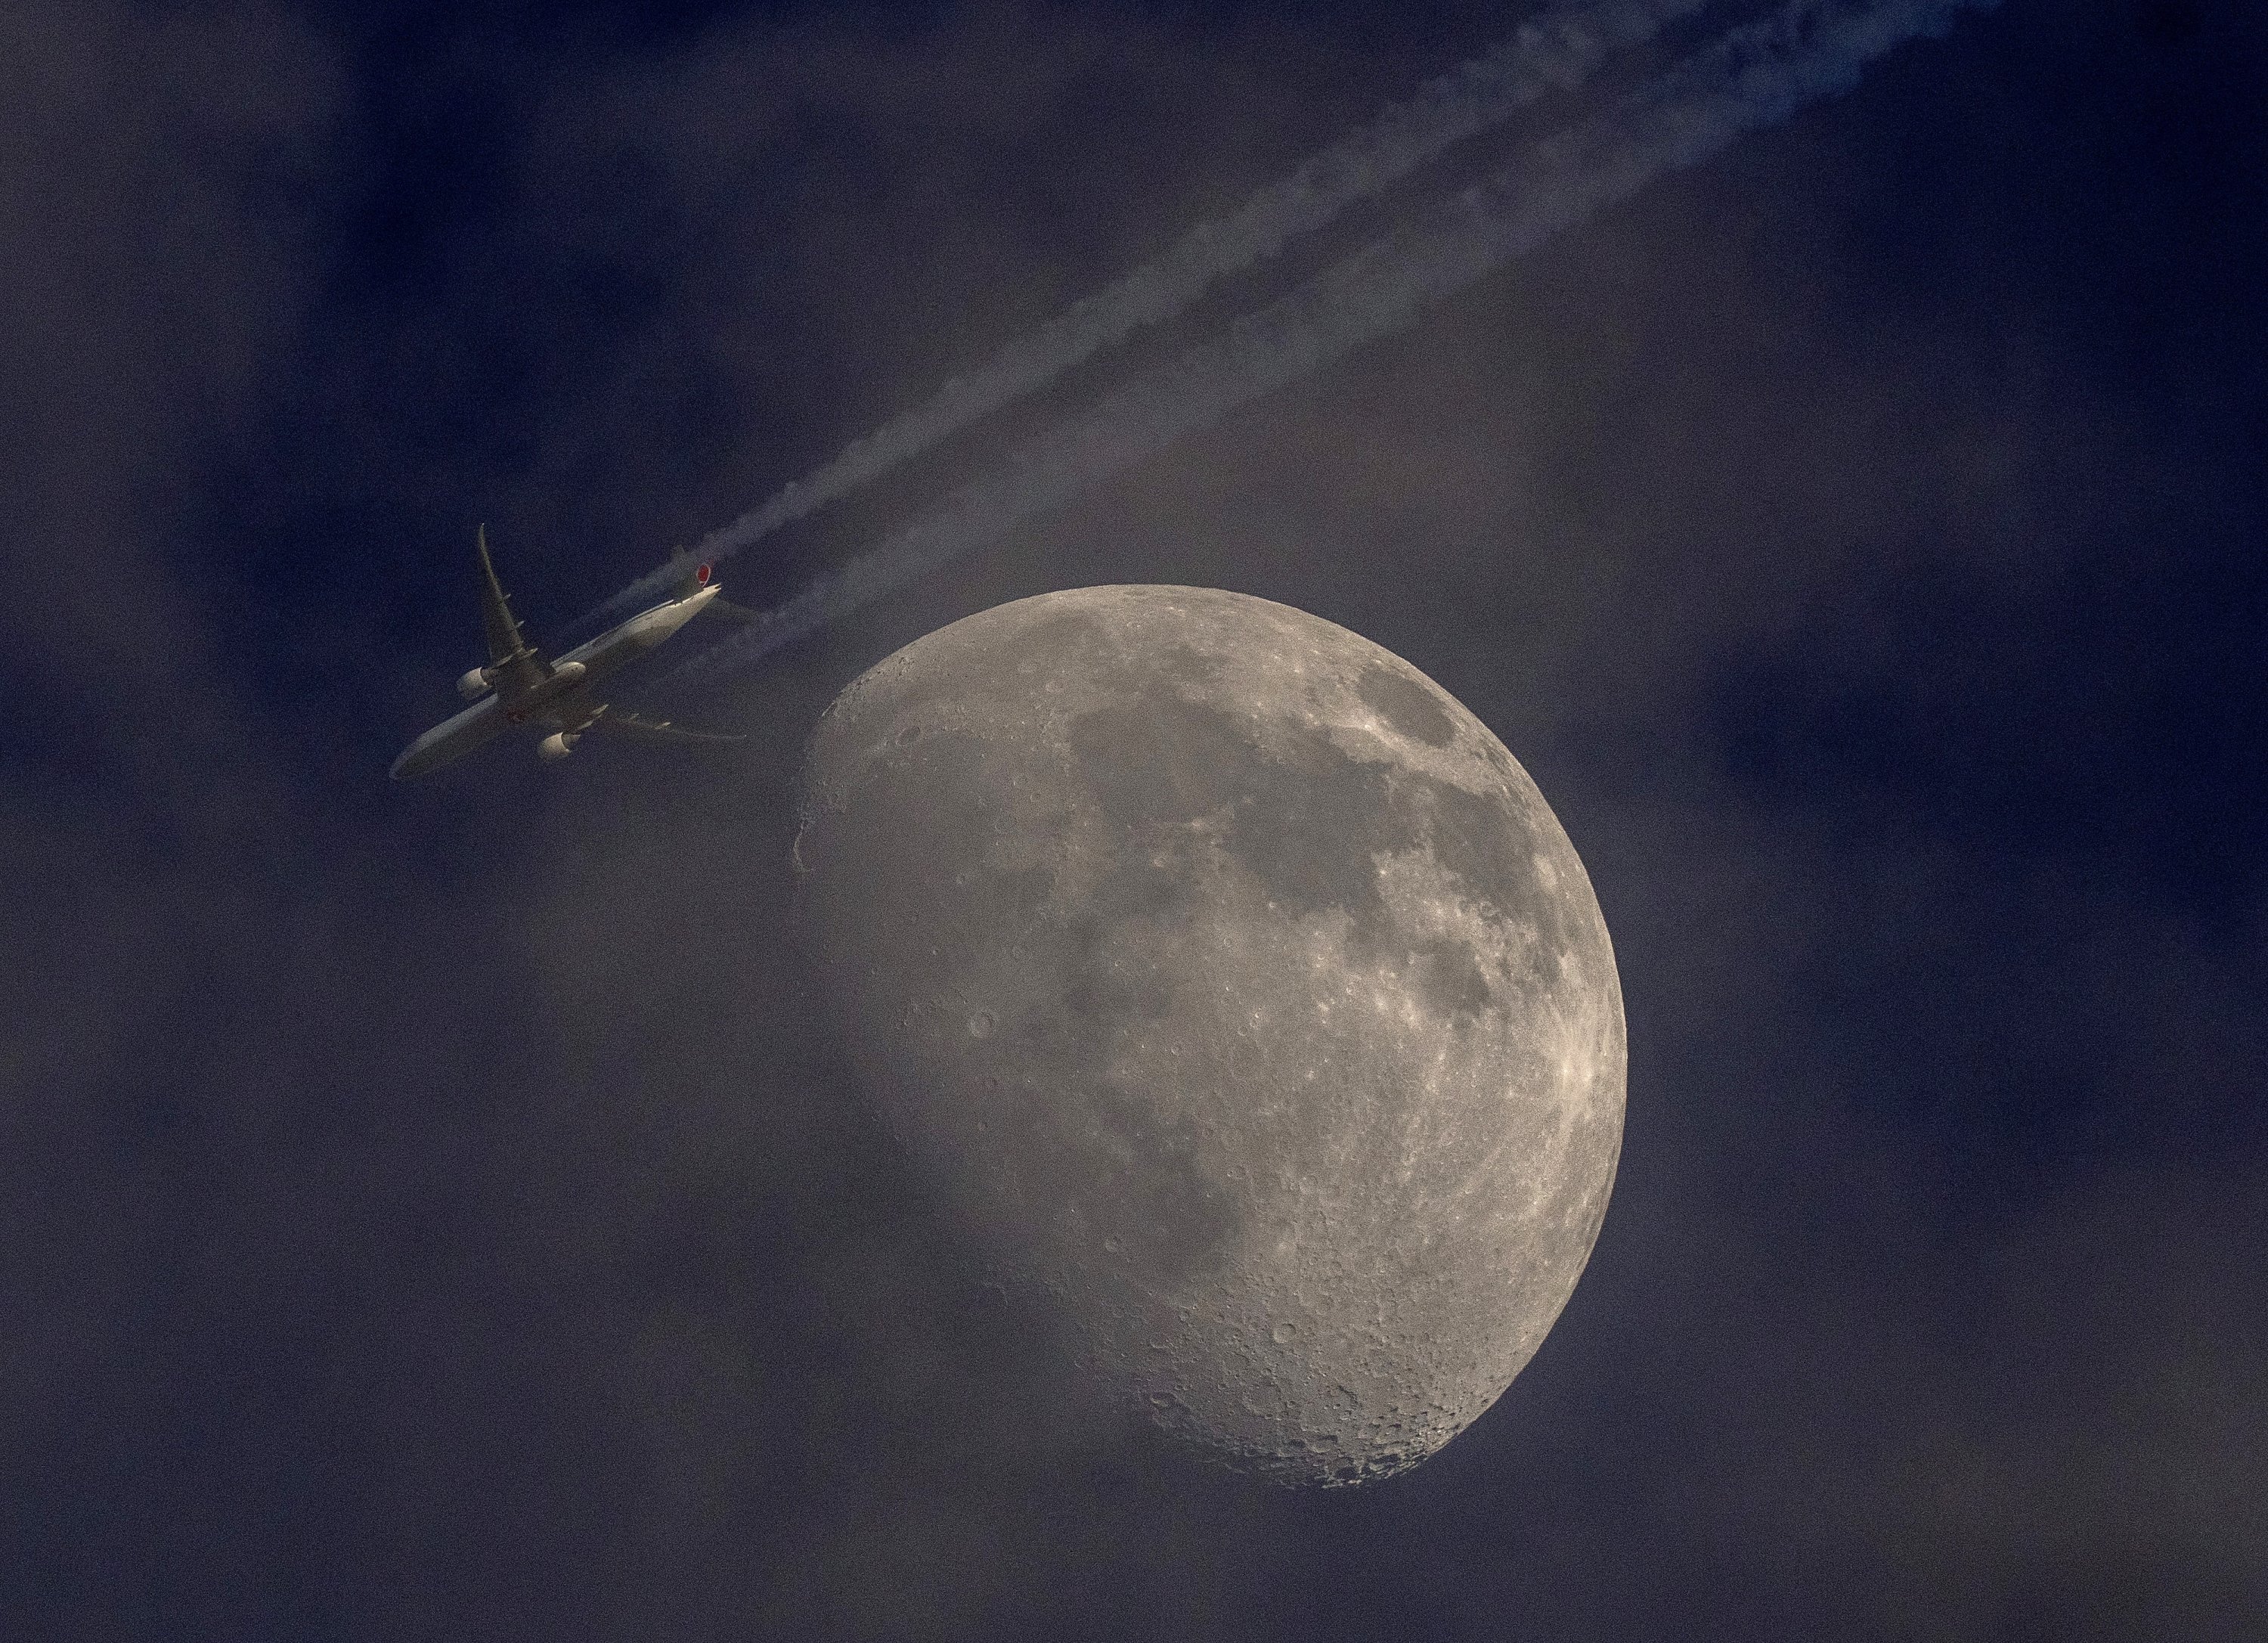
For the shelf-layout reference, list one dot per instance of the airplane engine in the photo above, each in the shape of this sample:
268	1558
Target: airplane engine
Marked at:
557	744
474	685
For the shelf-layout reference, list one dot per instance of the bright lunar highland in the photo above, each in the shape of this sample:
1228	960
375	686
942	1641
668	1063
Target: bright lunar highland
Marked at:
1242	995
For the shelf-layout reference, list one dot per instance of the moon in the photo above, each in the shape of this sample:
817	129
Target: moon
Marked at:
1242	995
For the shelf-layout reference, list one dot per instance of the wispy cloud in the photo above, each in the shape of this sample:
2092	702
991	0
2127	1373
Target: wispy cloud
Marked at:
1557	51
1751	76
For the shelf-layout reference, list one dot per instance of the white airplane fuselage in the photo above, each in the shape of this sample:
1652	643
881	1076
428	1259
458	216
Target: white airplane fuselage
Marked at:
560	704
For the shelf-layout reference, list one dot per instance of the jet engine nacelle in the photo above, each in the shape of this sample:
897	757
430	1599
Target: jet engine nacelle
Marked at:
474	685
558	744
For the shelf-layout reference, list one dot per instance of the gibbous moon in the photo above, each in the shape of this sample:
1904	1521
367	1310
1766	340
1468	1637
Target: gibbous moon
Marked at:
1241	994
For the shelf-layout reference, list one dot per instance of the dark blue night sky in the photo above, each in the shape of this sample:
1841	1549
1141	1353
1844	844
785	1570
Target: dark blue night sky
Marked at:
431	1211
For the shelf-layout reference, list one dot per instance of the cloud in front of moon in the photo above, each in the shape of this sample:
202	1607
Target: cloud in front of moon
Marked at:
1242	995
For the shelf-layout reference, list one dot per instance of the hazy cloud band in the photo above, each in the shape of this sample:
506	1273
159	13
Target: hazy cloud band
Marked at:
1750	76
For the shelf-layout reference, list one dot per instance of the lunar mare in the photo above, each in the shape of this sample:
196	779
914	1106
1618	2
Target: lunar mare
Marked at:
1242	995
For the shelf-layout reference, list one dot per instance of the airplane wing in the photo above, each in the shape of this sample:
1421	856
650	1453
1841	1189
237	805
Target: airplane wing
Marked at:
614	722
514	661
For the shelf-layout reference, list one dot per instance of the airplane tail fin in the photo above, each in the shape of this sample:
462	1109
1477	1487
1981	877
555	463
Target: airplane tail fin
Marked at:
692	574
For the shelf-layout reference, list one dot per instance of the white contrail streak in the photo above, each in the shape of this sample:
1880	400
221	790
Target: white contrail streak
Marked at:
1557	51
1750	76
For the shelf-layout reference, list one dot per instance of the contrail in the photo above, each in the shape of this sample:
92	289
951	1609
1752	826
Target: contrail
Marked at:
1557	51
1750	76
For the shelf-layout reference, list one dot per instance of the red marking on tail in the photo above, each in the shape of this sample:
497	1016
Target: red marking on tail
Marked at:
702	575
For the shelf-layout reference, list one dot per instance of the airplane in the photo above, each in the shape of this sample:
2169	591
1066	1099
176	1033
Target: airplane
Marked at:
522	686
